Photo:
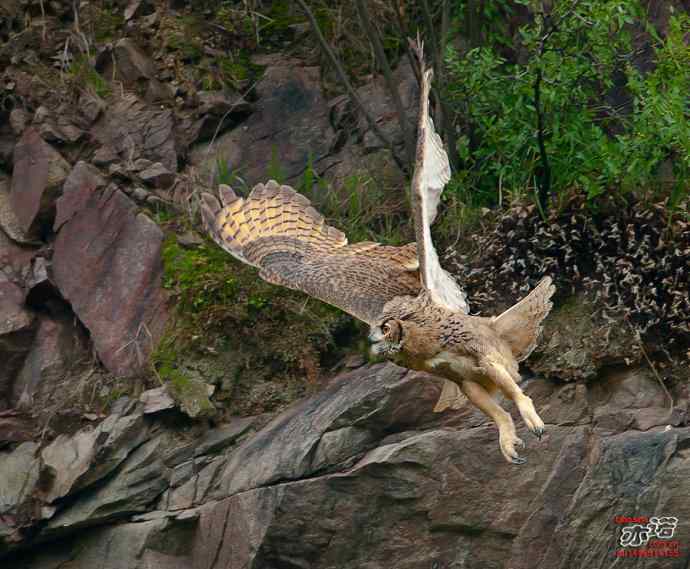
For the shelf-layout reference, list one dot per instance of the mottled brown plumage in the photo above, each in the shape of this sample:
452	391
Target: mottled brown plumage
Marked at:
417	312
276	230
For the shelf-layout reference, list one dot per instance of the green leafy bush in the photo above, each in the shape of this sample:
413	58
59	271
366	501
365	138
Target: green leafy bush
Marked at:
607	126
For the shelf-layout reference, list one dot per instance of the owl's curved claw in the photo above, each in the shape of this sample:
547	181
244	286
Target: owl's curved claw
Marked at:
538	432
508	441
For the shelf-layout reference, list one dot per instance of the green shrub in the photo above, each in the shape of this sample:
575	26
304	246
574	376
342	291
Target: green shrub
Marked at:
577	55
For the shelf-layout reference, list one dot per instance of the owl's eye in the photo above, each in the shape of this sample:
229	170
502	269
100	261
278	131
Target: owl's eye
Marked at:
386	329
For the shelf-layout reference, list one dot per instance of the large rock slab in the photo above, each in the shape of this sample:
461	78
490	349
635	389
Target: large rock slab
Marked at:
37	177
81	183
328	429
107	264
151	544
416	500
631	474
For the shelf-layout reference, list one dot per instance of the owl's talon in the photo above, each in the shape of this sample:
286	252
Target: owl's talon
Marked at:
538	432
519	460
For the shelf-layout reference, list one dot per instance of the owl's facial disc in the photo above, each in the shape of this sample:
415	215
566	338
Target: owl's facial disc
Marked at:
387	338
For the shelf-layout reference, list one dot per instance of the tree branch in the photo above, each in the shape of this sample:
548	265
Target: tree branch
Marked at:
342	76
380	54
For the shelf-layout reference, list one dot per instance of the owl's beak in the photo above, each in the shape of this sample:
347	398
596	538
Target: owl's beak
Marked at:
376	335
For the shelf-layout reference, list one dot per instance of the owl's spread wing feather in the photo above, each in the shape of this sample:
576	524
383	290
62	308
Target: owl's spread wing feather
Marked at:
431	174
278	231
520	325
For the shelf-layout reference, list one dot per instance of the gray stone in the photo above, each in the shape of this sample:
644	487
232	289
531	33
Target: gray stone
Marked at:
18	475
194	485
16	427
15	258
82	181
105	156
135	130
57	126
140	480
71	463
286	447
218	439
91	105
156	400
18	121
9	223
157	176
190	240
128	62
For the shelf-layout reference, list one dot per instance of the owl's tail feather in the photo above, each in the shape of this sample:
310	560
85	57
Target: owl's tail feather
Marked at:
273	218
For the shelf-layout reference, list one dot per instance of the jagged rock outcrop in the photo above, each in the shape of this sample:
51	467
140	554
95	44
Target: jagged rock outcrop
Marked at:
363	474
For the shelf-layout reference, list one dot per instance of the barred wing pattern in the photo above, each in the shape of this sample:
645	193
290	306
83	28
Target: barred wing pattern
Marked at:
278	231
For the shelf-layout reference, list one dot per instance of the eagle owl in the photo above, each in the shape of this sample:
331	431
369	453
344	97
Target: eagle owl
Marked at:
417	313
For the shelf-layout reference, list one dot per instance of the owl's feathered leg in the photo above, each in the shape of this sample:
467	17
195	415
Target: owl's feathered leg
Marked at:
507	436
501	377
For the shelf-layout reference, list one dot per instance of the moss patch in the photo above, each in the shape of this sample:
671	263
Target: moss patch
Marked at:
262	346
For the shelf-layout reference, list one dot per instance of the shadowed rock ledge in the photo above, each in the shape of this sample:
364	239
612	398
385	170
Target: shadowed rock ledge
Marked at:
362	474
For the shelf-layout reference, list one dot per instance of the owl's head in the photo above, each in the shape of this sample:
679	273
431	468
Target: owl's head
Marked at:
387	338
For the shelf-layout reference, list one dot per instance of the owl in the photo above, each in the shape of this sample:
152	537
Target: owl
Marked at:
417	313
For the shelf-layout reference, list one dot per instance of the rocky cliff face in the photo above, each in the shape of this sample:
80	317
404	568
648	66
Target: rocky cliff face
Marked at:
120	450
363	474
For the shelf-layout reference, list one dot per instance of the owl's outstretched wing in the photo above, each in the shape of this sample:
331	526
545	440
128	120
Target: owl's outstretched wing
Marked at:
431	174
278	231
520	325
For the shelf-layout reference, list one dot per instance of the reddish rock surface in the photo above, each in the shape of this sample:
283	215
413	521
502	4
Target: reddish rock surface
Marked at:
107	264
39	171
